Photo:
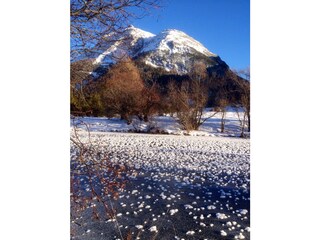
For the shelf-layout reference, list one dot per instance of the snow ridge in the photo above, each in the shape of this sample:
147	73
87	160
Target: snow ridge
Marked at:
170	49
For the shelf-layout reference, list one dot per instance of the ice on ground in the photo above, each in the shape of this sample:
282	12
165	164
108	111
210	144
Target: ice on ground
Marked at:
153	229
139	226
173	211
223	233
221	216
190	233
211	207
243	211
188	206
185	173
240	236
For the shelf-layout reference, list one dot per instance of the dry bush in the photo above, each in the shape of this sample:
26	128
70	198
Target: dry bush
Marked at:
244	90
222	108
242	117
85	96
189	99
95	181
79	76
150	102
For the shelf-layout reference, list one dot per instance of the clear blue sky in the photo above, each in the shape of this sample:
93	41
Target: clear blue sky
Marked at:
222	26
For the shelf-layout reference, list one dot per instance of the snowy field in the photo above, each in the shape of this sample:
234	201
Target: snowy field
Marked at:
187	187
165	124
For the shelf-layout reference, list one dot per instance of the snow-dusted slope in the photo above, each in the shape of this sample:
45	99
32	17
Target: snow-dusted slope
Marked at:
175	41
127	43
171	49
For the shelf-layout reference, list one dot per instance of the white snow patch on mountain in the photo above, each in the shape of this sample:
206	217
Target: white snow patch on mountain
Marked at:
170	49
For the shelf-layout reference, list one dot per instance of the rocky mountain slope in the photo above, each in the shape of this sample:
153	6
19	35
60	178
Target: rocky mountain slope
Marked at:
172	50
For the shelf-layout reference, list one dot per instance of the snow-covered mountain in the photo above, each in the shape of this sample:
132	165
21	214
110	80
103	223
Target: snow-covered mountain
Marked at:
172	50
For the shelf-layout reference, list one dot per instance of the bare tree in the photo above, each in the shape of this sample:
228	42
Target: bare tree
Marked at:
80	70
222	108
92	22
198	72
241	79
79	77
189	99
244	86
150	102
242	117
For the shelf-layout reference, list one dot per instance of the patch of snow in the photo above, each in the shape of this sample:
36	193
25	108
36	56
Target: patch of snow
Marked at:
190	233
223	233
153	229
188	206
211	207
243	211
173	211
139	226
221	216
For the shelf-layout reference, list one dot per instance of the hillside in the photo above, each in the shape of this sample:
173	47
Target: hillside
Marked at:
171	50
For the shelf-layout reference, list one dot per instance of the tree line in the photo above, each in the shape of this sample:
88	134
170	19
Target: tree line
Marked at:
130	89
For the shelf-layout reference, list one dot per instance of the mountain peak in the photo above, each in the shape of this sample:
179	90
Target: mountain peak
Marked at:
171	49
173	31
137	32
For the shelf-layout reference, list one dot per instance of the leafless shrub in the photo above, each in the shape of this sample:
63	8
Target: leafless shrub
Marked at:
150	102
244	89
189	99
243	119
95	181
222	108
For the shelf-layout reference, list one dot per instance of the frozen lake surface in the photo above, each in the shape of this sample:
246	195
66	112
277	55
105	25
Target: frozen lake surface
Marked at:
186	187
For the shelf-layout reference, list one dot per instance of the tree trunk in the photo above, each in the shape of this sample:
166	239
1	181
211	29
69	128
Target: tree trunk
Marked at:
248	114
222	122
